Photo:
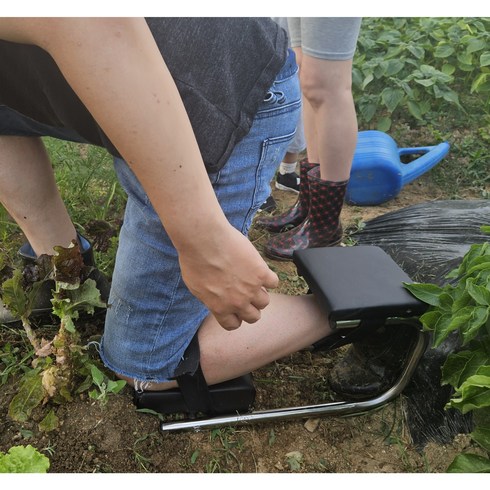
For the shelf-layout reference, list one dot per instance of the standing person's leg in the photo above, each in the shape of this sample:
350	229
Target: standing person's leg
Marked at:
153	316
326	82
324	48
29	193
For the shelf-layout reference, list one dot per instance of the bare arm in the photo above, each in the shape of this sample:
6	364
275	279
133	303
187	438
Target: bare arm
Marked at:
116	69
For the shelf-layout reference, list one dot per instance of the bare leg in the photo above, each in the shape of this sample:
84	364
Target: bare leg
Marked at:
329	115
28	191
290	157
287	325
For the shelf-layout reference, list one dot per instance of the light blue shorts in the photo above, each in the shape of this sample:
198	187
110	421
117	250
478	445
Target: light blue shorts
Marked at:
152	316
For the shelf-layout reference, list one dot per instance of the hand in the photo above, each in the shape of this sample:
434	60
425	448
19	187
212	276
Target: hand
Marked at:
229	276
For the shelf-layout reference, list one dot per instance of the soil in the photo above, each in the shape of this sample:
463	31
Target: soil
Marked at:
113	437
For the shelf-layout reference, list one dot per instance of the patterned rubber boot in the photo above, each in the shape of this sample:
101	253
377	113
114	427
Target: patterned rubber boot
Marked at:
297	214
322	226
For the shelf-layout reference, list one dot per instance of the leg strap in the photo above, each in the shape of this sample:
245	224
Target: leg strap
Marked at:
191	381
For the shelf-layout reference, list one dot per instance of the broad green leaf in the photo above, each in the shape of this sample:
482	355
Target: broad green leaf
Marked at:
476	252
14	296
446	300
428	293
448	69
474	393
86	297
485	59
476	44
97	375
477	320
478	264
469	463
417	51
414	109
479	82
461	299
459	366
115	386
392	97
23	459
367	80
68	323
356	78
384	124
461	318
451	96
31	393
425	82
479	293
429	319
443	51
368	111
49	423
394	66
442	329
481	435
465	59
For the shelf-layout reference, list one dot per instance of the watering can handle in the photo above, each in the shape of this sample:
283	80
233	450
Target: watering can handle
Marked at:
430	156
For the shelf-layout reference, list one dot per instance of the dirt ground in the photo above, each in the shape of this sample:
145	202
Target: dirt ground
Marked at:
115	438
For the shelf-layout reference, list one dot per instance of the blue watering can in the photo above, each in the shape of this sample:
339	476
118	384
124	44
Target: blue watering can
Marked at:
378	174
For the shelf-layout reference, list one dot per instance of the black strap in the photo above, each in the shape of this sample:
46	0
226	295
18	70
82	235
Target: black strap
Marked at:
191	381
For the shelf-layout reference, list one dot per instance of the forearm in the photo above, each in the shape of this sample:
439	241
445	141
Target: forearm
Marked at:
155	136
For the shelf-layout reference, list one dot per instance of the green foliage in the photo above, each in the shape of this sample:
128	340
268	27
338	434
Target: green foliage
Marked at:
463	306
23	459
105	386
58	362
469	463
86	178
419	66
12	361
30	394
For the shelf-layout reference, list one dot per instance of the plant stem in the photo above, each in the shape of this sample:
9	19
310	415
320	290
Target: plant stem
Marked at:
30	334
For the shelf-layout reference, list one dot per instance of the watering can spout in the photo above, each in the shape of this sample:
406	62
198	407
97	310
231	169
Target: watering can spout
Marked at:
430	156
378	174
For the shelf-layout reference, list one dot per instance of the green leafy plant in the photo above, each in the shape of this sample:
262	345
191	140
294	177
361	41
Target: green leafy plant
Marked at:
463	306
23	459
104	385
419	66
58	362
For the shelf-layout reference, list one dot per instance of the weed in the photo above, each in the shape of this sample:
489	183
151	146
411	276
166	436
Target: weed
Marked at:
105	385
226	453
13	360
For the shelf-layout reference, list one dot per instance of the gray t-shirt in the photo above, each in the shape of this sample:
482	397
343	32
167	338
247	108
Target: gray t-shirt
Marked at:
222	67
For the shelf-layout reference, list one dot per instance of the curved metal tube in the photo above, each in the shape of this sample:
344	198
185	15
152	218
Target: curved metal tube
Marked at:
308	411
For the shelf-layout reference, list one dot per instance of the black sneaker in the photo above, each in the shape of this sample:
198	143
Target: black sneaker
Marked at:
269	205
288	182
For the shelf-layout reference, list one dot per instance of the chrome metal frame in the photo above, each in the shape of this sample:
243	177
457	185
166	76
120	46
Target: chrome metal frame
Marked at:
340	408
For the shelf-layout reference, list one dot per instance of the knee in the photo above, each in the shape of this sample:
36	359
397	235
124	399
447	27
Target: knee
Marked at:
320	89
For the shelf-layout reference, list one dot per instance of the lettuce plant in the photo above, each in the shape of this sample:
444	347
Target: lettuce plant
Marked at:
23	459
57	362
